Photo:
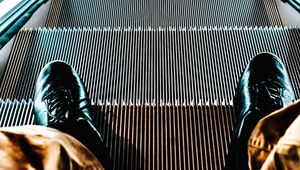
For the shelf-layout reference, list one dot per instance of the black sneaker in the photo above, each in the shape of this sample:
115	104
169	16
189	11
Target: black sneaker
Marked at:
263	88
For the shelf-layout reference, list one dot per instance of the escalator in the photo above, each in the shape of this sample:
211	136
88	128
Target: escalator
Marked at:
161	74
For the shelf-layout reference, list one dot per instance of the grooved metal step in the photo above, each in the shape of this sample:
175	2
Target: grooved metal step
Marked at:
164	13
153	136
149	66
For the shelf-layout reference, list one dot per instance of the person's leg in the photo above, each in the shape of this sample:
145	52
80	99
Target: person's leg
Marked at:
61	101
263	88
39	147
275	141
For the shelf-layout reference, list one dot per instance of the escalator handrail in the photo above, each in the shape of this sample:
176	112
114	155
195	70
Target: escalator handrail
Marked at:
12	22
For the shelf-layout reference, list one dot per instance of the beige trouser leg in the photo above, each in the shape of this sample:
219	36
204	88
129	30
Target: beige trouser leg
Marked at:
38	147
275	141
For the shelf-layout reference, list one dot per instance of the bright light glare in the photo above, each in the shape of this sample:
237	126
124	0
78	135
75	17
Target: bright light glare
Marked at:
7	5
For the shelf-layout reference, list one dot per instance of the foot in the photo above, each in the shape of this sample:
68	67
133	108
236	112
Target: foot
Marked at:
61	101
60	96
263	88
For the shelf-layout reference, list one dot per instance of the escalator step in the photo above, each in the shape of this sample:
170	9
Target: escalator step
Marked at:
149	66
164	13
153	136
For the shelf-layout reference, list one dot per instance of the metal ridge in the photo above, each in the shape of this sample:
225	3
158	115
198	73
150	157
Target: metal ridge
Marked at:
152	137
149	66
144	13
201	28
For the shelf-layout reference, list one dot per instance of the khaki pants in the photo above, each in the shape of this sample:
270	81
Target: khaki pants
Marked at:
275	141
273	144
38	147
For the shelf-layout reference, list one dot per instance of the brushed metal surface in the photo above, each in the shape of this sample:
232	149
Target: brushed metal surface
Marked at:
153	136
156	13
149	66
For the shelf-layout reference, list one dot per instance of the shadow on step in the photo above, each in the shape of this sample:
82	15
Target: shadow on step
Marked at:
166	137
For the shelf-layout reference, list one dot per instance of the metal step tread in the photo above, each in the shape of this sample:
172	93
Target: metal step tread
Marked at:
157	66
162	13
152	136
